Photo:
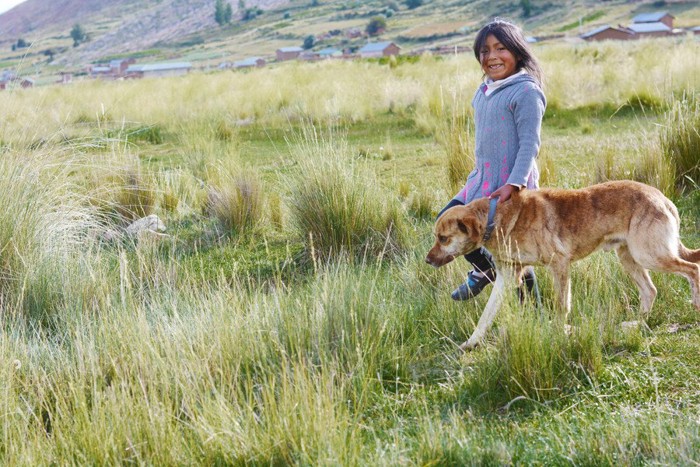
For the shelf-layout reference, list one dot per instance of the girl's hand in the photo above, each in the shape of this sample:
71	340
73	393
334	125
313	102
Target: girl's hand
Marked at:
503	193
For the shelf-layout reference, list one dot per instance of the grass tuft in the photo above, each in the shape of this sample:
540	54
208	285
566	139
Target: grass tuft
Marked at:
336	205
680	140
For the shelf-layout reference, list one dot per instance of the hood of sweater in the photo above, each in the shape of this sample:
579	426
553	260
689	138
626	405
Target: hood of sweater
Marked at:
490	86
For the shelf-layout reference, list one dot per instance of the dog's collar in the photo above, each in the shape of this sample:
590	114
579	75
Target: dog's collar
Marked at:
490	224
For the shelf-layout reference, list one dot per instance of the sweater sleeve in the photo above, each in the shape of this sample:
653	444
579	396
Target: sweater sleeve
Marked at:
528	110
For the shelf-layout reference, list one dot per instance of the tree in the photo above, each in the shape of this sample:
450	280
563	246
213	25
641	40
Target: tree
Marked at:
411	4
78	35
526	5
376	26
309	42
222	12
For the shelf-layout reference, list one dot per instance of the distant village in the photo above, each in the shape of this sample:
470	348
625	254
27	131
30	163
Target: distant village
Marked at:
648	25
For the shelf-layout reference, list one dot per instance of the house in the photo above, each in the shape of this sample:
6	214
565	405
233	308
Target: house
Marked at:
656	17
65	77
99	71
695	30
288	53
113	70
329	52
249	63
119	66
9	77
353	33
378	49
158	70
608	32
657	29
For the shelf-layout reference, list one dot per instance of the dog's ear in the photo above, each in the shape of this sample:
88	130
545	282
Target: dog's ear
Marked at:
461	226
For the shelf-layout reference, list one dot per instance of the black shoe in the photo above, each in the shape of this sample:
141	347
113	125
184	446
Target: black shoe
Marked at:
530	283
473	285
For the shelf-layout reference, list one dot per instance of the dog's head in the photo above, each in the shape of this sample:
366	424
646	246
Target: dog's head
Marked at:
458	231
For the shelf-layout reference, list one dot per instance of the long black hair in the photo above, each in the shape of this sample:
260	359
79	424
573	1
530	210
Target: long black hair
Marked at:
512	37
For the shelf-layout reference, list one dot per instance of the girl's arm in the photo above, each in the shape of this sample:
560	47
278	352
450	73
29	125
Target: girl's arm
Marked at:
528	111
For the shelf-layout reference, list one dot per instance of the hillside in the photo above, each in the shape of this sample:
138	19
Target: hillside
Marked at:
186	30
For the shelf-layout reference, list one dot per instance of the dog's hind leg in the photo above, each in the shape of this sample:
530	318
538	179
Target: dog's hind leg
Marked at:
492	306
647	291
690	271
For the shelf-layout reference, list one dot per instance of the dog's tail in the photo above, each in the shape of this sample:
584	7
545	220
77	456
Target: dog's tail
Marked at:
689	255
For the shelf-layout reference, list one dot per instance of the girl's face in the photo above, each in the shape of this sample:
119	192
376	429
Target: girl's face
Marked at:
497	62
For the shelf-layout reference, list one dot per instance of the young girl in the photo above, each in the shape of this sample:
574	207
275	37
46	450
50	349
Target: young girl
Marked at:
508	110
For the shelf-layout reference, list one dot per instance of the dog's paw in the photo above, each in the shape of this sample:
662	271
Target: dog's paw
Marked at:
469	345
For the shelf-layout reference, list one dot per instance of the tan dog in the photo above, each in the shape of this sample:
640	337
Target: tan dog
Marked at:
553	228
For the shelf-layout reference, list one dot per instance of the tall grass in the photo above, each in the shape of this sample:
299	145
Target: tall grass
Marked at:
337	205
44	227
237	200
173	353
680	141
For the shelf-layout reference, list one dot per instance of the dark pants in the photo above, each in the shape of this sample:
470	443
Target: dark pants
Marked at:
480	258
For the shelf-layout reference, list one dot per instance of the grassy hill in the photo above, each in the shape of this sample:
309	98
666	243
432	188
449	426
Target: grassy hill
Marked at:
186	30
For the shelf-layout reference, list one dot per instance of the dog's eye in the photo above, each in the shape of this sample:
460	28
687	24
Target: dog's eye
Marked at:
442	239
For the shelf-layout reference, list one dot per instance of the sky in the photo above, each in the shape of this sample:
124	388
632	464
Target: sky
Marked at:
7	4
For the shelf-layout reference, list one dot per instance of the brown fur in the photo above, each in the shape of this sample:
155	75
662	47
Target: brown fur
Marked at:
553	228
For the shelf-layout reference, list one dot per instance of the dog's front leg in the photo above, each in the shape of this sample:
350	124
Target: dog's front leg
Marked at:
492	306
562	285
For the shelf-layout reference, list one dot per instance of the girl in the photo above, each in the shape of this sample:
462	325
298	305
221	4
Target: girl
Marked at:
508	110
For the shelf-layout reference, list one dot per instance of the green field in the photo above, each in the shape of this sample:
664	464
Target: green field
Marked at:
287	316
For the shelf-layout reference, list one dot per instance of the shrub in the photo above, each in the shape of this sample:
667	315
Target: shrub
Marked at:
680	140
337	206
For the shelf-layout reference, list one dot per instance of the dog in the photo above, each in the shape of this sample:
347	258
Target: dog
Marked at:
555	227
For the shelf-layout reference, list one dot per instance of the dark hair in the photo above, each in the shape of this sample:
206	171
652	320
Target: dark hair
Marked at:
512	37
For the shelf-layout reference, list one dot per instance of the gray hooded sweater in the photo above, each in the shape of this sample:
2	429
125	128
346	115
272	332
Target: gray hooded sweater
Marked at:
508	123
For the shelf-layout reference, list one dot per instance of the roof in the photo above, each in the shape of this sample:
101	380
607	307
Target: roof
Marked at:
650	17
649	27
159	66
329	51
290	49
375	46
252	61
604	28
101	69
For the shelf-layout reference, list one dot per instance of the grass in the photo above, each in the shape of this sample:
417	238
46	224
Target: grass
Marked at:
268	348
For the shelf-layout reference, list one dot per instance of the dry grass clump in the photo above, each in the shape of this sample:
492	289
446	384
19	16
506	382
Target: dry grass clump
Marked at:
236	199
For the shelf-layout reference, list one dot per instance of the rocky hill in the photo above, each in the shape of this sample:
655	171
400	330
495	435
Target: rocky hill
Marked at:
186	30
